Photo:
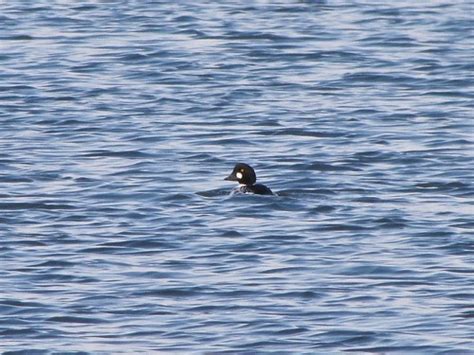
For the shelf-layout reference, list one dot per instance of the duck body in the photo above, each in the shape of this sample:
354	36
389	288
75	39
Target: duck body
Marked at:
246	177
258	189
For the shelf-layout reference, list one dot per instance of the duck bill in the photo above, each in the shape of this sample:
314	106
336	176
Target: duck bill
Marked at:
231	177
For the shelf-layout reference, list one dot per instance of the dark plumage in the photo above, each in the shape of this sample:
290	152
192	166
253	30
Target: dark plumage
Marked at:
245	176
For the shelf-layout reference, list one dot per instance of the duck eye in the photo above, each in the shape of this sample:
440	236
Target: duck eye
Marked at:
239	175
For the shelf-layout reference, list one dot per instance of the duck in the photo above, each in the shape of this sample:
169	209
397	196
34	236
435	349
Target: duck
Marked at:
245	175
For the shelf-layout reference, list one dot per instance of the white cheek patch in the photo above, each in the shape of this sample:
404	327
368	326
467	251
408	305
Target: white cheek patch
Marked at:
239	175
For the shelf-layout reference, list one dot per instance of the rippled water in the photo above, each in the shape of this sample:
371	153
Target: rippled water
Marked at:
120	119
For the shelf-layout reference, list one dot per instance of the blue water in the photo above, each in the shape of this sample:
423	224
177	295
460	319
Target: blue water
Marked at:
120	119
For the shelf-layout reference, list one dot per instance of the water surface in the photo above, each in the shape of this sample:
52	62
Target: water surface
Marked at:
119	121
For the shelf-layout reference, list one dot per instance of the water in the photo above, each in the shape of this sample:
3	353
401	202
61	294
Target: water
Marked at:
119	121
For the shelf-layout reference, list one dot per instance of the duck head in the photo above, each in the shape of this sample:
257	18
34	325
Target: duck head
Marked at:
243	174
